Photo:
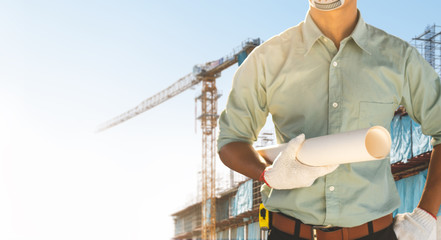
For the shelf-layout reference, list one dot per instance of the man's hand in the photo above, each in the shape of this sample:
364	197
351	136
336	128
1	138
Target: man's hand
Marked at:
288	173
417	225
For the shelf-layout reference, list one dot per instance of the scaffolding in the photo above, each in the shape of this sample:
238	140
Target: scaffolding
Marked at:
429	45
265	138
236	214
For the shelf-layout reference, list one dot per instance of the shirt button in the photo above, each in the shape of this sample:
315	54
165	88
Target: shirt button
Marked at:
331	188
334	64
335	105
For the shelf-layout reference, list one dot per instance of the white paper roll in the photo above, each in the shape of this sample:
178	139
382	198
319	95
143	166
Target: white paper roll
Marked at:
349	147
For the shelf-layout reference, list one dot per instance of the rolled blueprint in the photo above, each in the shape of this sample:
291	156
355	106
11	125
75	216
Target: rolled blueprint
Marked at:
349	147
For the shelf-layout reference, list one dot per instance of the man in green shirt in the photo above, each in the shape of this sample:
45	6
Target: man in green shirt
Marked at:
332	73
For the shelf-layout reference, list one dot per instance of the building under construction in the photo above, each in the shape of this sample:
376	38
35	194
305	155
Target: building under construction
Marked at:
236	212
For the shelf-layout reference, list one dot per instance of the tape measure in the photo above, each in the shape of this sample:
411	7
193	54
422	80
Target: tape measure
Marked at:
263	218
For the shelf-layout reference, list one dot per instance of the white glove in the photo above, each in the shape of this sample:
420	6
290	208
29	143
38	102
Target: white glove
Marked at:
288	173
418	225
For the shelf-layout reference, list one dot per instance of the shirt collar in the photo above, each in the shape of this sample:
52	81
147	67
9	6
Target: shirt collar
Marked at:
311	33
361	34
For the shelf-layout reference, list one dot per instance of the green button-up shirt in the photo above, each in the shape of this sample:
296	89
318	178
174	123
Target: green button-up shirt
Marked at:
309	86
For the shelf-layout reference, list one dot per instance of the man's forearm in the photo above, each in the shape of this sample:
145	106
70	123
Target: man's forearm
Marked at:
242	158
431	198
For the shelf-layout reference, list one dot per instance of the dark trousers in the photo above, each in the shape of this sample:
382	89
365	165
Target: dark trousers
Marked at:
385	234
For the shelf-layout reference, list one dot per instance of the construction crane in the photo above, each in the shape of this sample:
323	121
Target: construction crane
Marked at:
207	74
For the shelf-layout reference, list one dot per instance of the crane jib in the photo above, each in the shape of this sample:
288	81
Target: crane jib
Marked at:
200	71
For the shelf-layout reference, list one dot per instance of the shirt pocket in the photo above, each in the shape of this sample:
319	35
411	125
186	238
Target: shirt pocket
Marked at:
375	113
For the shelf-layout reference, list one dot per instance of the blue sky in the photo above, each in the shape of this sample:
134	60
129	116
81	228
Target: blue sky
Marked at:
67	66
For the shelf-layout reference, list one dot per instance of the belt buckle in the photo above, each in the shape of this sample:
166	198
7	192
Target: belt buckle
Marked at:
314	230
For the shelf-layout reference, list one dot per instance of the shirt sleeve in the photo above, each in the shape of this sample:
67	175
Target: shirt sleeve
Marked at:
246	110
422	95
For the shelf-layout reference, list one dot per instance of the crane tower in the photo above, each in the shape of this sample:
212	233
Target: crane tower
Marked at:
207	74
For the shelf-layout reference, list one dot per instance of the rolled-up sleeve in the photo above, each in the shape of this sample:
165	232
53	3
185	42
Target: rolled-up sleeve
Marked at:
246	110
422	95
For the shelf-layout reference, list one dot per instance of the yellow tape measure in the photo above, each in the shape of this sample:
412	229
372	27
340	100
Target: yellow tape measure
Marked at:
263	218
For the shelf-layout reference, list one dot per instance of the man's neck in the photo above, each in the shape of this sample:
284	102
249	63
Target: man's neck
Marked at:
337	24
